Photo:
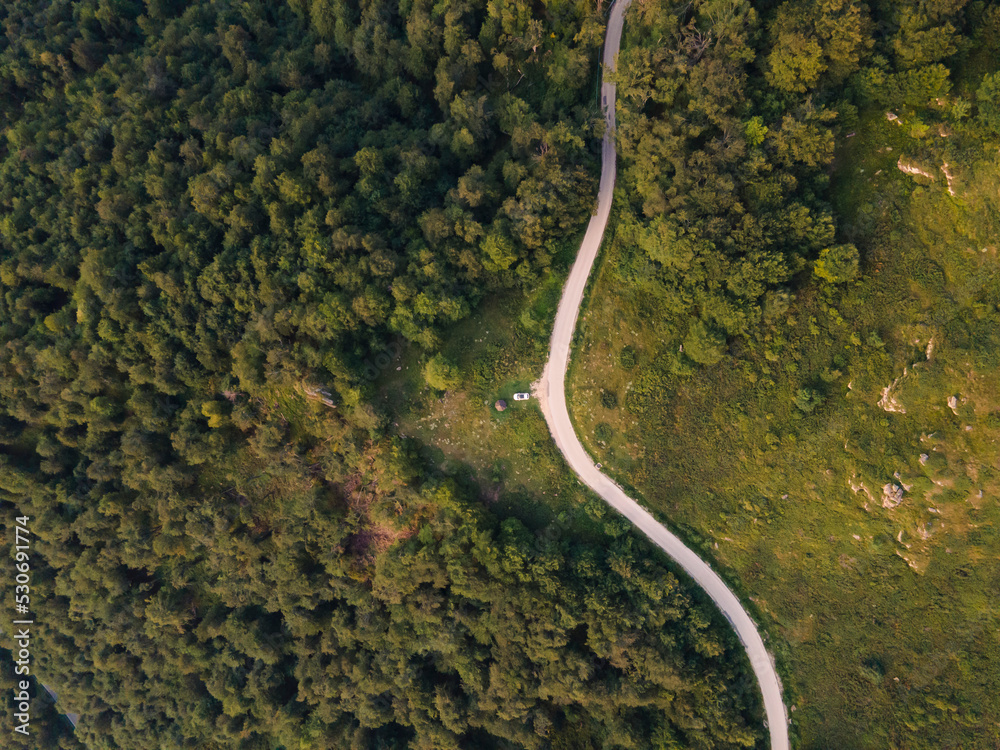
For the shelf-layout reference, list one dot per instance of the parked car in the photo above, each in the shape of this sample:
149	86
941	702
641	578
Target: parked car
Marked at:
522	396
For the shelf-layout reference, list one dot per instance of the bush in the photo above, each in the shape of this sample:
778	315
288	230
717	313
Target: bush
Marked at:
806	400
603	433
837	264
609	399
703	344
441	373
626	358
988	98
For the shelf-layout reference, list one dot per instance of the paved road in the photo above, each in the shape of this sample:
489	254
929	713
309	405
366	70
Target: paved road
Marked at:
552	395
73	718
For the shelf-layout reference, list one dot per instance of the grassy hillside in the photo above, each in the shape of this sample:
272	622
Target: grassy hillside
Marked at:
842	457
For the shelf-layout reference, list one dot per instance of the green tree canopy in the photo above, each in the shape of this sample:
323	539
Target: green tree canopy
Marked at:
988	99
837	264
704	344
441	373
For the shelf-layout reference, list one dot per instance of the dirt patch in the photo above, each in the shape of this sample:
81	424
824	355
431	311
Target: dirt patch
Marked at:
913	169
950	177
889	401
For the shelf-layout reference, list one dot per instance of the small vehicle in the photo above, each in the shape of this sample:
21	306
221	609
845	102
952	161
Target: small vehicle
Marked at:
522	396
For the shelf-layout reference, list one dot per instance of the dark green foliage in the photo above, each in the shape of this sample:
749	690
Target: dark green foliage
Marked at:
721	187
230	183
988	99
219	223
837	264
626	358
806	400
609	399
286	611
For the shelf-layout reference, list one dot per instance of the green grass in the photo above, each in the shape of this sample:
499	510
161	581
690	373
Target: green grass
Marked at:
885	613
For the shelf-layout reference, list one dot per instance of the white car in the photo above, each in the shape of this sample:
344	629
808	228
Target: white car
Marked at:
522	396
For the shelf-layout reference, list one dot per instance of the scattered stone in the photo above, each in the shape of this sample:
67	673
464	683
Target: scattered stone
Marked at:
892	495
923	459
316	393
860	487
912	563
950	177
913	169
953	404
889	402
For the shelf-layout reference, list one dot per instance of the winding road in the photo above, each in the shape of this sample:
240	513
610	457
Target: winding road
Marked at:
551	391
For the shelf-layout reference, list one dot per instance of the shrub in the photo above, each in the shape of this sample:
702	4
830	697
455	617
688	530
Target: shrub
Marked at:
609	399
626	358
806	400
988	98
837	264
703	344
603	433
441	373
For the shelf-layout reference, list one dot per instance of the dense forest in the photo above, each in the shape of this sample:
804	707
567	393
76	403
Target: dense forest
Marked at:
218	222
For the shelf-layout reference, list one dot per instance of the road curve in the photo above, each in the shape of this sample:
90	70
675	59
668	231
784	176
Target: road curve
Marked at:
551	390
73	718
